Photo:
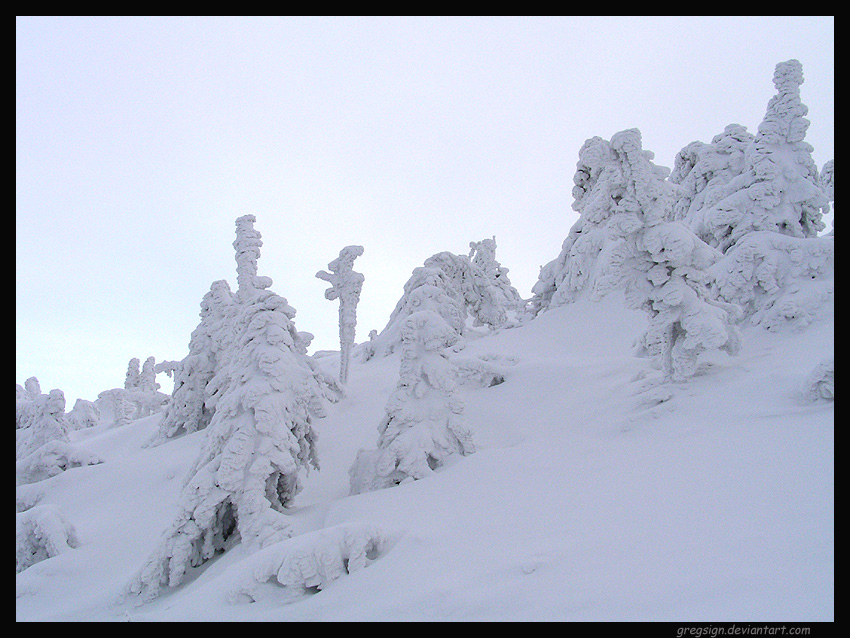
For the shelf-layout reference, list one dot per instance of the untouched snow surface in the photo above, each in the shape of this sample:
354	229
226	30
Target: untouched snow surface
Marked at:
595	494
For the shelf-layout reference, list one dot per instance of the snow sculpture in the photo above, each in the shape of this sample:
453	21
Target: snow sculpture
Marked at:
310	561
42	532
345	286
779	189
663	267
424	415
259	439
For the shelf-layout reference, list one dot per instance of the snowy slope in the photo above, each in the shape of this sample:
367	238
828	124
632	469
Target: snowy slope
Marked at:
595	494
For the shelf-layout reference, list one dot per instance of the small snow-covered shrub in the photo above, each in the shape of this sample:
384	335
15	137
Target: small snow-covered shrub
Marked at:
52	458
820	382
42	532
310	561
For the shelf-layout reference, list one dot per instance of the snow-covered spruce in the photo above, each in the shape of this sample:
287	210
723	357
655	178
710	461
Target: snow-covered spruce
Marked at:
194	393
827	182
663	267
259	441
598	186
455	287
42	532
424	423
43	449
702	171
346	285
780	188
85	414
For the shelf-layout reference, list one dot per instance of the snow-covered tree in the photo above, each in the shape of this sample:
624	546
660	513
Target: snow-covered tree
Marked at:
819	384
498	297
702	172
779	189
85	414
193	395
27	401
827	182
42	532
43	449
663	267
49	423
424	422
259	441
598	185
346	285
131	379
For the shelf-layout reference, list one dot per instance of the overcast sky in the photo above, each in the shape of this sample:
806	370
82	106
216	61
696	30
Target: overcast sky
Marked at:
139	141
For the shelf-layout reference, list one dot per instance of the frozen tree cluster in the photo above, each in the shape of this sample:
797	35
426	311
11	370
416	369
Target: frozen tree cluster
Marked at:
346	285
249	378
423	424
42	445
461	289
730	235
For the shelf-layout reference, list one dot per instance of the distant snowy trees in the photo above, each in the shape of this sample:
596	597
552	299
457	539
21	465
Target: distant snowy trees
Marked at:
264	394
457	288
346	285
423	424
43	448
730	235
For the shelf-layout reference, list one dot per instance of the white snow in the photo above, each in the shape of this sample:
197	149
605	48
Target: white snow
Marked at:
595	493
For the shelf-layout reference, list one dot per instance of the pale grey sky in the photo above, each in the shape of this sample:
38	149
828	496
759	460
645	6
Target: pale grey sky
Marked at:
139	141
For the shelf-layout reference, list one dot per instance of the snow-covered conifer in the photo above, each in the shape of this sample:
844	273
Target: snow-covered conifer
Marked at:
498	297
131	380
43	449
598	188
345	286
663	267
779	189
193	395
259	441
49	423
702	171
247	245
85	414
42	532
424	422
827	182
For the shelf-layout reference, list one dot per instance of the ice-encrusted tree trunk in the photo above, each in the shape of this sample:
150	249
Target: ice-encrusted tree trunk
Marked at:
663	267
423	424
346	285
780	189
259	441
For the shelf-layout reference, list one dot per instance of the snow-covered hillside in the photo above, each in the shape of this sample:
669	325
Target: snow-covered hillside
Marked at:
596	492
